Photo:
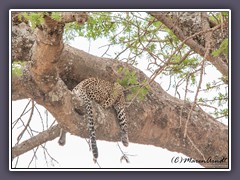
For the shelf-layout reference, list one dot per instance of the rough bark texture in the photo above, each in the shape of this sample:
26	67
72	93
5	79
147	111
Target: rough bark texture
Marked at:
185	24
158	120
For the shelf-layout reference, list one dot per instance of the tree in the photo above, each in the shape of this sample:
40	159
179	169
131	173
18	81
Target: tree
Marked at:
177	45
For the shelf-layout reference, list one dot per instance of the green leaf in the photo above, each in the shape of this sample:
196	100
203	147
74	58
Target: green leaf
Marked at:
56	16
17	68
130	79
223	48
35	18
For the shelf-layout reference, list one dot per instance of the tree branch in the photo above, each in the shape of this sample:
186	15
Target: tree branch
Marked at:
154	121
218	62
36	141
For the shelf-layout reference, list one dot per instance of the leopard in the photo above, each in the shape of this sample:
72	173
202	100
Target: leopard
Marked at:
107	94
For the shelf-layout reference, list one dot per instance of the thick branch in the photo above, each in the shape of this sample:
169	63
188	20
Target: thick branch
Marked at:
154	121
218	62
23	37
46	52
80	17
22	42
35	141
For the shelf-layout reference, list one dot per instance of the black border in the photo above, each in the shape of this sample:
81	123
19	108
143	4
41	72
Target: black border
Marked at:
12	4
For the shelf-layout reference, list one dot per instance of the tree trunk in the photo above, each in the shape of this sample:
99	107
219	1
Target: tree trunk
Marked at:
160	119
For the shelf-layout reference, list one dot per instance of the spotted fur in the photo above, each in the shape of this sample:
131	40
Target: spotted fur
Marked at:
107	94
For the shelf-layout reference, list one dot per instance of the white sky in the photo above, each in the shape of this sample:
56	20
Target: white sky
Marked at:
76	154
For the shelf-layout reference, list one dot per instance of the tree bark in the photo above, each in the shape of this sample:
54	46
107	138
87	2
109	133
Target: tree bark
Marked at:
35	141
185	24
157	120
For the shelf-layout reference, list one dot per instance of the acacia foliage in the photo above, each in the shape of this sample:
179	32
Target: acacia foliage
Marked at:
144	38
